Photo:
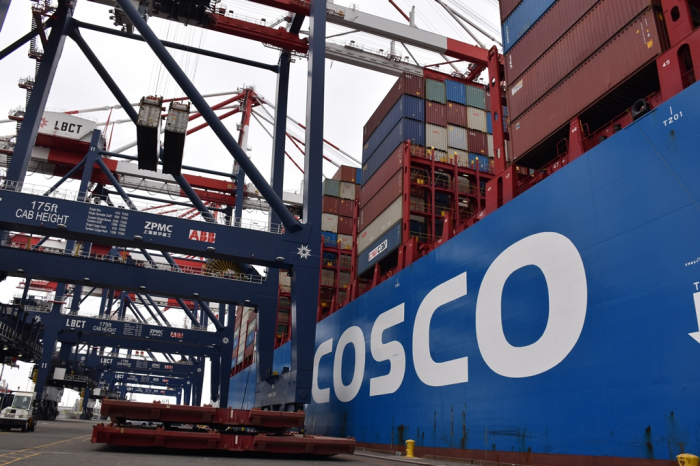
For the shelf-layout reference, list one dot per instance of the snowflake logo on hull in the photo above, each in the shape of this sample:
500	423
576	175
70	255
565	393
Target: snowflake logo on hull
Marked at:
44	122
304	252
225	340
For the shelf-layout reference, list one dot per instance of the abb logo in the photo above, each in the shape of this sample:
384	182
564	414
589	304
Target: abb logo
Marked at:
203	236
177	335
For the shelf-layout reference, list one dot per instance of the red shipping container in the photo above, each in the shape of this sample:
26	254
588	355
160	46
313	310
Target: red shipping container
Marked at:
543	34
385	172
327	294
507	7
345	225
457	114
435	114
477	142
346	173
596	27
384	197
406	84
330	205
622	57
347	207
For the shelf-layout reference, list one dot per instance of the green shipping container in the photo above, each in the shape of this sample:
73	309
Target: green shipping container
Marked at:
435	91
476	97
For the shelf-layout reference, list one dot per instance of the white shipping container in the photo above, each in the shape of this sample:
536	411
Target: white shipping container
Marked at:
329	222
489	141
457	137
345	241
443	157
461	156
380	225
435	137
347	190
285	279
476	119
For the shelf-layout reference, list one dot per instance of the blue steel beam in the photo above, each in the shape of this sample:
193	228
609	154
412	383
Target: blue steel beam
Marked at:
40	93
19	212
117	364
78	270
131	377
210	117
174	45
152	391
68	175
4	6
24	39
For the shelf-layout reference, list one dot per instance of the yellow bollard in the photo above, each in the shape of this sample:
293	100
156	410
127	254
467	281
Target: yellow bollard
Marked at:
686	459
409	448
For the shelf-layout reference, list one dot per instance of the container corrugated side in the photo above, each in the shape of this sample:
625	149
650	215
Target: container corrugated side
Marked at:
345	225
435	113
551	26
636	46
507	7
329	238
476	119
331	188
406	107
389	192
456	92
435	91
436	137
329	222
477	143
489	145
330	205
476	97
461	157
457	137
489	123
346	173
381	248
406	84
521	20
404	130
385	172
381	224
456	114
346	207
345	241
596	27
347	190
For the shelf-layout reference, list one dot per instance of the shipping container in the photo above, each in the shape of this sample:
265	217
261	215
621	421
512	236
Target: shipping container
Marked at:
456	92
347	190
358	177
457	137
551	26
596	27
489	123
485	164
342	295
476	97
406	84
436	137
344	242
435	91
346	173
489	145
327	278
345	260
435	113
381	248
329	222
521	20
331	188
476	141
405	130
329	259
381	225
344	279
636	46
326	294
346	207
507	7
443	157
330	205
330	239
476	119
460	157
406	107
344	225
385	172
456	114
389	192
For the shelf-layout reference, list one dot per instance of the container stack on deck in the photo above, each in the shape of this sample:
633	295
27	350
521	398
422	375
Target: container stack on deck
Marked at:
596	56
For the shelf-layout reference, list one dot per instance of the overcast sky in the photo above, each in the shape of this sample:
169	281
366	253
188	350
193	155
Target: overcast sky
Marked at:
352	93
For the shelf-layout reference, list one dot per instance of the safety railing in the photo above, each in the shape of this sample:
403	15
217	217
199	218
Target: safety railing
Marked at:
179	212
9	334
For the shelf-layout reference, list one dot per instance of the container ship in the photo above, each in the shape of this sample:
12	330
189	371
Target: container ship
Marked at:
514	274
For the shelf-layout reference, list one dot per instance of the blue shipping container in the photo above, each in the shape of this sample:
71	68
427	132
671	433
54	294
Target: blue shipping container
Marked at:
404	130
406	107
484	162
387	243
489	123
358	177
456	92
522	19
329	238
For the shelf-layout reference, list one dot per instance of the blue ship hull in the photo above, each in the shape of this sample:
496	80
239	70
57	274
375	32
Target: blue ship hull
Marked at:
565	323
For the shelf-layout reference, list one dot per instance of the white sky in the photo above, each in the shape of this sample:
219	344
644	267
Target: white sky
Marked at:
352	93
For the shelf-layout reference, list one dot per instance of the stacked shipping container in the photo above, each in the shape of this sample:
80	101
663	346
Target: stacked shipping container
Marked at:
573	52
